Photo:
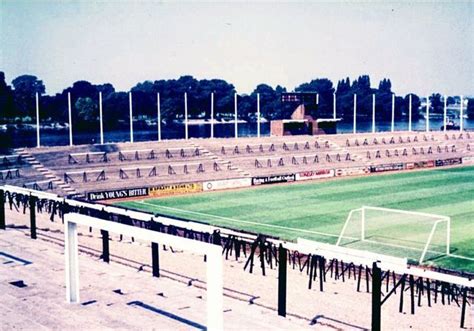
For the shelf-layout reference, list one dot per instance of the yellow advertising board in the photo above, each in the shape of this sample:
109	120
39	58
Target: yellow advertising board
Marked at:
172	189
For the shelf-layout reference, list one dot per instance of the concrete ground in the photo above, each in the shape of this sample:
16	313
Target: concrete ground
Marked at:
124	295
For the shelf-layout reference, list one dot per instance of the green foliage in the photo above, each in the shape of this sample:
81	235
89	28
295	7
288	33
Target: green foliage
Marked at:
436	104
470	109
20	101
25	89
86	109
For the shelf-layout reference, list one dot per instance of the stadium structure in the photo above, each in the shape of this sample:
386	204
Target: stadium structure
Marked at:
65	199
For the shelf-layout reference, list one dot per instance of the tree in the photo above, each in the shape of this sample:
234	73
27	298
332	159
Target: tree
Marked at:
415	105
25	89
86	109
450	101
325	89
470	109
385	85
435	103
7	105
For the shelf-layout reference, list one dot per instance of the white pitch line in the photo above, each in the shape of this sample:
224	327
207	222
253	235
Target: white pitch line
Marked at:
461	257
240	221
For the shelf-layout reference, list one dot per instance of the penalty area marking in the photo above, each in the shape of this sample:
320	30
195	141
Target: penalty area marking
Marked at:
183	211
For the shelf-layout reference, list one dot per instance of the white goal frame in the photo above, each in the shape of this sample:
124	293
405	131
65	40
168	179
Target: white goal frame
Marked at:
436	220
214	262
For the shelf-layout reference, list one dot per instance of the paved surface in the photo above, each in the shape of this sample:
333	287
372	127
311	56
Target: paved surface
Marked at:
177	299
112	296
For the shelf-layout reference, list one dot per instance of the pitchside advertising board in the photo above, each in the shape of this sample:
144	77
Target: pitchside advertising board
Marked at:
421	164
118	194
468	160
352	171
387	167
314	174
172	189
226	184
448	162
261	180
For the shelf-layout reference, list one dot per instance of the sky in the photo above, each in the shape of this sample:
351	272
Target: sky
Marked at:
423	47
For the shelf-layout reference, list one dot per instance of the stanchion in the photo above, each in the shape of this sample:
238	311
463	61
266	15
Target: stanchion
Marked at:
33	216
155	259
105	246
2	210
282	261
376	297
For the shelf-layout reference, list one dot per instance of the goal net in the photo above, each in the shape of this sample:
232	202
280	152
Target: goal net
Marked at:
419	237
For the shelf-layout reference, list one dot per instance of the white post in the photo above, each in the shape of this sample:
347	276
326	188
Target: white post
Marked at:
427	113
355	113
70	117
212	115
448	236
38	144
373	113
72	263
130	107
362	235
445	113
215	295
185	115
317	98
334	105
159	115
100	120
393	113
461	118
409	112
258	115
235	116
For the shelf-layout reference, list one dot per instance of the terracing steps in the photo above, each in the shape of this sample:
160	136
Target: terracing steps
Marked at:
341	150
221	161
47	173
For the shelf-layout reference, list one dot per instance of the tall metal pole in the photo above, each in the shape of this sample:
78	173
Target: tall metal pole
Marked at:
159	115
445	113
427	113
317	98
409	112
373	112
101	120
235	116
258	115
130	107
355	113
38	144
185	115
393	113
70	117
212	115
461	118
334	105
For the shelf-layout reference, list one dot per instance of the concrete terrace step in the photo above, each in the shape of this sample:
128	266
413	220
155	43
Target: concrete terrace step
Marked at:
47	173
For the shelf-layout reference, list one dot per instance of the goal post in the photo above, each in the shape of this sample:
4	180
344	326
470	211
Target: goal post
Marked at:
415	235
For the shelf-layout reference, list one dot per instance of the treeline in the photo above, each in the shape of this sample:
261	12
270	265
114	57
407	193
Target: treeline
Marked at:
17	101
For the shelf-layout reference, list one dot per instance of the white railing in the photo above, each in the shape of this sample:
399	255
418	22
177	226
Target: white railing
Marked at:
212	252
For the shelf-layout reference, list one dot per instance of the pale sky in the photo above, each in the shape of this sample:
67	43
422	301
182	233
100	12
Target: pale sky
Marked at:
423	47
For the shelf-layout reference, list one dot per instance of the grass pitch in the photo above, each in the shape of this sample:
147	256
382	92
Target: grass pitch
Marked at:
318	209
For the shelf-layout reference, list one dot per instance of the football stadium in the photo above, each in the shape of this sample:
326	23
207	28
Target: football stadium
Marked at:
257	165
